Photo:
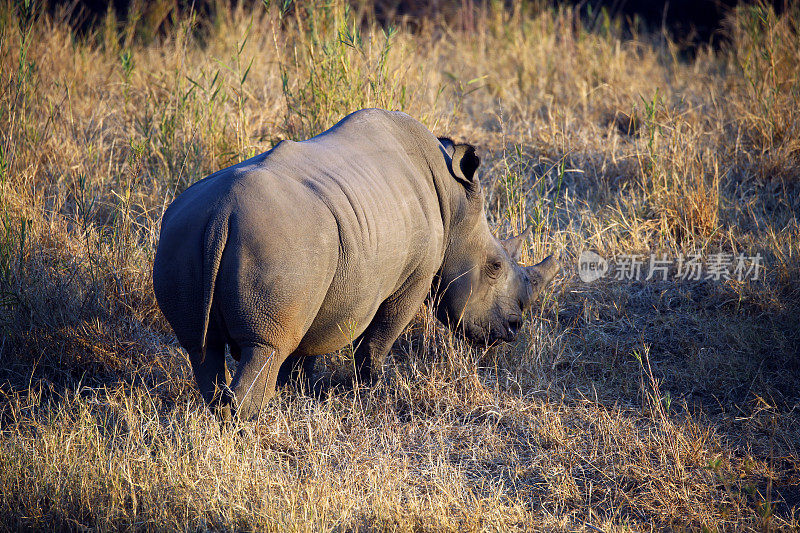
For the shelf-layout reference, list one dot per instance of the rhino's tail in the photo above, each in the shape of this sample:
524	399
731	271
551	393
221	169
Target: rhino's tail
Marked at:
216	236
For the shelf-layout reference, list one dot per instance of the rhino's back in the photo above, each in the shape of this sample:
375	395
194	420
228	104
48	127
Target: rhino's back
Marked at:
371	174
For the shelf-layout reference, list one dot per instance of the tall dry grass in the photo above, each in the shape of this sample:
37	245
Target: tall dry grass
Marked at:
625	405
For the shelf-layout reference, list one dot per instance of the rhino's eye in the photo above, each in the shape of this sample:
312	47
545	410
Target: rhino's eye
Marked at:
493	268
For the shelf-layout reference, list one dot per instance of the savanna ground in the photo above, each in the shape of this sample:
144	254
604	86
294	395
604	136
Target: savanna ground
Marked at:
660	404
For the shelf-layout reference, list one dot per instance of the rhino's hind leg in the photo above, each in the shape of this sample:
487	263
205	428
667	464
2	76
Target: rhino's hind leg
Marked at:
213	378
255	379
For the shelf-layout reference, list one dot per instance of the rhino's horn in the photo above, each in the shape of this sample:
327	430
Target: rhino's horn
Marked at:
546	270
513	245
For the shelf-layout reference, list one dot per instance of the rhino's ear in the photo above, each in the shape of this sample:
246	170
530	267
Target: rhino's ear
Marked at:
448	145
465	163
513	245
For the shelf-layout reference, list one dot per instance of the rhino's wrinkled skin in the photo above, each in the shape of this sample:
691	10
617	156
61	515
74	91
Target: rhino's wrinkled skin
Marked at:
293	252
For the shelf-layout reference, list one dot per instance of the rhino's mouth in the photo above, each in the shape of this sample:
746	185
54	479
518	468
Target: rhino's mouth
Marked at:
500	331
512	329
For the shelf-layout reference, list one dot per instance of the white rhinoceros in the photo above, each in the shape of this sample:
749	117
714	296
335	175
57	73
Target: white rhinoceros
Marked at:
289	254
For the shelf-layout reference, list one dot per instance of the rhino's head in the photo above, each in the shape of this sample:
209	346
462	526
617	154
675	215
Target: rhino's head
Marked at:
482	291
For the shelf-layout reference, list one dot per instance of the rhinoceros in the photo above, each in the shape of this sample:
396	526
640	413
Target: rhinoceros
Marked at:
313	245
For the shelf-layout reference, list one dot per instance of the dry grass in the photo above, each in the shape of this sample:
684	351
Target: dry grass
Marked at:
625	405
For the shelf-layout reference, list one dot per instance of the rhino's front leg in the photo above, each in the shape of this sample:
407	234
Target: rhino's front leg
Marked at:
392	317
298	370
